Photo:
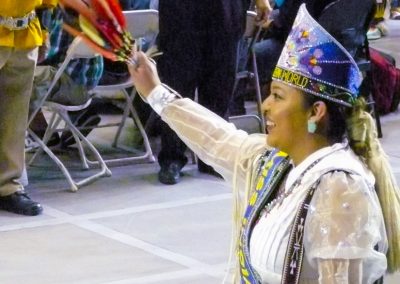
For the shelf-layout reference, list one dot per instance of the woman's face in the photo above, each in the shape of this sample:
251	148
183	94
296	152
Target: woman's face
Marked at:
285	116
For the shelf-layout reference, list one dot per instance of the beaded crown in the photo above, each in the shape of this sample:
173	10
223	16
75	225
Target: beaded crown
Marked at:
315	62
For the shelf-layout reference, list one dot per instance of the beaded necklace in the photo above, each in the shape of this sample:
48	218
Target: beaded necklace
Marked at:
279	199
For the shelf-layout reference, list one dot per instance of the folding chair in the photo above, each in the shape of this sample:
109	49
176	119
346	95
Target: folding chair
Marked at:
251	35
59	115
143	25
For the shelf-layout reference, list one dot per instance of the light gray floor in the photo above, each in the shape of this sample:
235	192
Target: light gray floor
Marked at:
131	229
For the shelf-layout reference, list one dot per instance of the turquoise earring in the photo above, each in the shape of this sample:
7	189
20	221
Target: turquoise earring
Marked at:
311	126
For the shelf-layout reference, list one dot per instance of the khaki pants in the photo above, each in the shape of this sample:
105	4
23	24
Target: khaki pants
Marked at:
16	76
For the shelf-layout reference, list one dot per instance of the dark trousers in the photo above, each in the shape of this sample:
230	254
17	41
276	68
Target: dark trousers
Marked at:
199	52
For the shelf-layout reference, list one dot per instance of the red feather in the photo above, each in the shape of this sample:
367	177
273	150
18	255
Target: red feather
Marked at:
108	12
116	9
107	17
99	10
111	35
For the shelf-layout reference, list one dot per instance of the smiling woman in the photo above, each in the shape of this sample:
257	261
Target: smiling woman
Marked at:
305	205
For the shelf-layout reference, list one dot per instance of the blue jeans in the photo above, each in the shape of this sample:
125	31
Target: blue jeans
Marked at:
394	4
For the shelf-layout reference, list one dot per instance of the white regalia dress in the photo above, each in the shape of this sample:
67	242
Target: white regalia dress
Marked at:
344	239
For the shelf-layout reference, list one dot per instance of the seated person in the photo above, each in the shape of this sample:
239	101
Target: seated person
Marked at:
80	76
267	50
277	29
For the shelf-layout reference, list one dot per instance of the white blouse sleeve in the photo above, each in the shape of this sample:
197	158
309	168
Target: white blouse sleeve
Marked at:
215	141
345	237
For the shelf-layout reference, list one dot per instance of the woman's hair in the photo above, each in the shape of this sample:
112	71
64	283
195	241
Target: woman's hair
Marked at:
359	127
340	120
336	128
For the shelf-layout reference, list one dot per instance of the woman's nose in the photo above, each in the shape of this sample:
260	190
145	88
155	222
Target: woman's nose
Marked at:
265	106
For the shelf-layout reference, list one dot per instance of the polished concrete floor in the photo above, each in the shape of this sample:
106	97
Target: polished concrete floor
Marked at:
129	228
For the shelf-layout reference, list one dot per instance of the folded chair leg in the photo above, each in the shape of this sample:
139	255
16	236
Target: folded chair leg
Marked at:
65	116
53	123
72	184
120	126
80	138
258	91
148	152
81	152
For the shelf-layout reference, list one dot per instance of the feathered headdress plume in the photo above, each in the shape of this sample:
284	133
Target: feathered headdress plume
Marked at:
102	26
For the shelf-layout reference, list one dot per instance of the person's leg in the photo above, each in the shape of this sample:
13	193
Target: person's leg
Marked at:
16	77
378	27
39	126
222	23
176	74
219	53
219	68
178	68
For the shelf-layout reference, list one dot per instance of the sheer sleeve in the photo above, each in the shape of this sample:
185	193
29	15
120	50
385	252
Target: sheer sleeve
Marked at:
216	141
345	238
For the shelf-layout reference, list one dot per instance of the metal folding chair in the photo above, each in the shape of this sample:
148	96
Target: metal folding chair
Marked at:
143	25
59	116
251	34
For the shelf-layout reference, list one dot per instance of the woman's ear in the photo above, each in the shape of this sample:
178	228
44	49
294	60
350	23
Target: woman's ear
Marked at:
318	111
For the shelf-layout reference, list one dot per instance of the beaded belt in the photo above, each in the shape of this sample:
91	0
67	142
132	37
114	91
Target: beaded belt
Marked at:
22	23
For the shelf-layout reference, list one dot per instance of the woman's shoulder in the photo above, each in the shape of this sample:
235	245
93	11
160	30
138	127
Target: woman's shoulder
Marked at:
344	164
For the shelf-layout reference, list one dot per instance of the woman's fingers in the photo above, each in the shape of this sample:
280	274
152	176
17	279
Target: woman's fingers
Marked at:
143	72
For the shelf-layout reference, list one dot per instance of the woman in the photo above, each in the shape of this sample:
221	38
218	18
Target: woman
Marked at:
313	217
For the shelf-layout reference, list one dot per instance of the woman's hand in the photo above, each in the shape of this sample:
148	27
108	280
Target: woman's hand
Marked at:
144	73
263	9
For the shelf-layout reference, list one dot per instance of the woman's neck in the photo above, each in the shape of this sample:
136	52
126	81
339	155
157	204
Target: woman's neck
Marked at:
306	148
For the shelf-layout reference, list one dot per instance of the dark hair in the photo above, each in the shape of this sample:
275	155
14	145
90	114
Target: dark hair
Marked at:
336	129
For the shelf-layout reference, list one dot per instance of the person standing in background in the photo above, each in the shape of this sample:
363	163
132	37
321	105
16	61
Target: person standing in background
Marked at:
199	41
378	27
20	35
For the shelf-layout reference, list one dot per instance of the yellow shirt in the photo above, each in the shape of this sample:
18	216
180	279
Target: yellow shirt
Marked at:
31	36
